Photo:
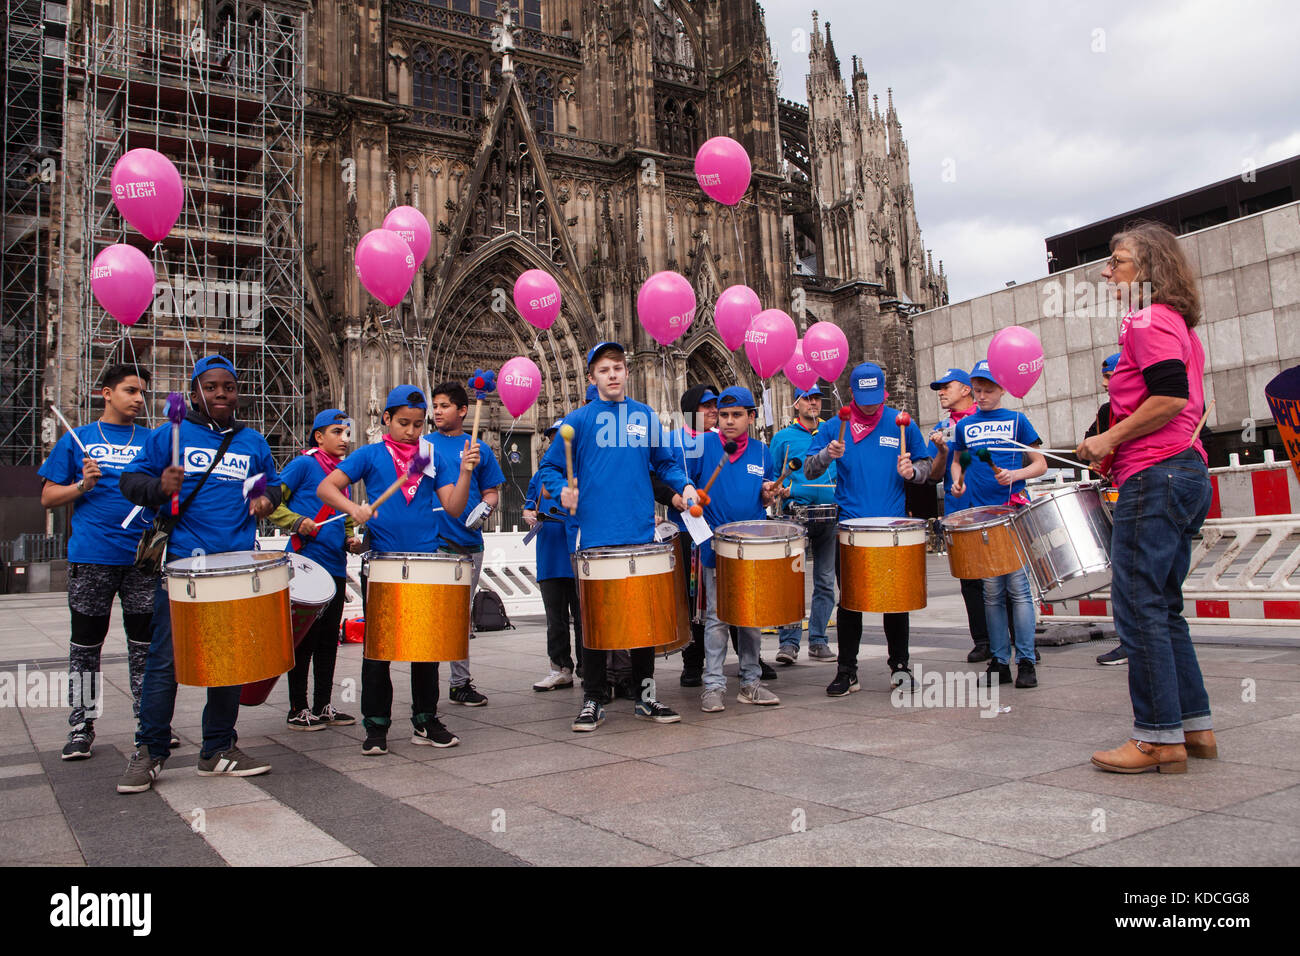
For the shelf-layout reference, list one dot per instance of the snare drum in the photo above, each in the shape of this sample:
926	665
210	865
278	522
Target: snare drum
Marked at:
760	572
417	606
310	591
1066	536
629	595
980	542
882	564
230	617
811	515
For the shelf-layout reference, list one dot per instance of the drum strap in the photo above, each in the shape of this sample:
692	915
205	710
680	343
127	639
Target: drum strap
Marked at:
153	543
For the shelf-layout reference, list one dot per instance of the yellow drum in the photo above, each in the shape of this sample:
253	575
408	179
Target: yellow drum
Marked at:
417	606
981	542
230	617
760	572
682	542
630	595
882	564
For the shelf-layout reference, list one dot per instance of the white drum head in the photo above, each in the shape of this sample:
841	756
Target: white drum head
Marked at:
311	583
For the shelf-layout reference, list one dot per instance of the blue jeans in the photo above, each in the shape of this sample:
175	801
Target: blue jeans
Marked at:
996	591
158	694
1160	510
821	545
717	637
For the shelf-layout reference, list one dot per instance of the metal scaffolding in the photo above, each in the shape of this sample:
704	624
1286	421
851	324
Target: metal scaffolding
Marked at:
34	48
224	100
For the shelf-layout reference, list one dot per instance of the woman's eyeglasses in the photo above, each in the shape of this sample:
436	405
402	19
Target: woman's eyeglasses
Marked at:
1115	261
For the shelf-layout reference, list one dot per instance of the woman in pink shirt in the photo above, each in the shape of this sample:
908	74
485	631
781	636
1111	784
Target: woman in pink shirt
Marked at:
1157	400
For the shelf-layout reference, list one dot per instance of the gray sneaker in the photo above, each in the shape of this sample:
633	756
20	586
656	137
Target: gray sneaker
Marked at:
711	702
232	763
787	653
141	771
757	694
821	651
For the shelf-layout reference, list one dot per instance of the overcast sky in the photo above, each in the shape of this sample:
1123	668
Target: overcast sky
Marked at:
1045	134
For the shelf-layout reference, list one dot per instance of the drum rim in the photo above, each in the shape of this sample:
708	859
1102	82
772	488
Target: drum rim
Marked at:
1077	488
625	550
1004	518
278	560
416	556
908	524
794	529
1073	575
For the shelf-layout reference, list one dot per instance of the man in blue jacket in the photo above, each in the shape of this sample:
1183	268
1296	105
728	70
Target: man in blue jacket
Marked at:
790	442
617	443
216	521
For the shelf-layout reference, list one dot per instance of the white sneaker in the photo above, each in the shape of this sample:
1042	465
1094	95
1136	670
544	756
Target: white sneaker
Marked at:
560	678
757	694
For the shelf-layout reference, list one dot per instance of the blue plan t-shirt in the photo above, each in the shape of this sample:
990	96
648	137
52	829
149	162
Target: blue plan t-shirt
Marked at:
397	525
990	429
487	474
302	477
867	482
736	495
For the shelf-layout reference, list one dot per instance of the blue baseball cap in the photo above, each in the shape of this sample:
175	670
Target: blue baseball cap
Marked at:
603	347
554	427
210	362
407	395
593	393
868	384
1108	365
331	416
815	391
952	375
736	397
981	370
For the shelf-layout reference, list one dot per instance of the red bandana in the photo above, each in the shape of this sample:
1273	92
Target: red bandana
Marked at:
955	416
741	443
860	424
402	454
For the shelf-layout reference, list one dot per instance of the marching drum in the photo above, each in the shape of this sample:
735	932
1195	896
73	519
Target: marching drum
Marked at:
882	564
981	543
682	543
760	572
417	606
230	617
1066	536
310	591
630	595
814	514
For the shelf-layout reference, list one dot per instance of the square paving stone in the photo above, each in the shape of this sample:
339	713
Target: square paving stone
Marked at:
1209	839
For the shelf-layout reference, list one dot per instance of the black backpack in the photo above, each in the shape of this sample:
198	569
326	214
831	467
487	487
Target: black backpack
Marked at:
489	613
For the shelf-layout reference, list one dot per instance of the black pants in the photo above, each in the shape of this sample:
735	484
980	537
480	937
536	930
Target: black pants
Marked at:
321	645
972	592
848	633
377	693
594	671
560	599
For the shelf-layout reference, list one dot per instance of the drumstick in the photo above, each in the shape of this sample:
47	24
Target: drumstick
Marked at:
728	450
1046	453
902	420
566	432
844	414
68	426
1204	418
417	466
791	465
176	415
784	462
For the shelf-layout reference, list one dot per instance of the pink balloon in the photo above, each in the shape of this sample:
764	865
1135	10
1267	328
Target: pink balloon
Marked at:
409	223
733	312
723	170
519	382
147	191
1016	359
666	306
537	297
827	349
802	375
121	277
770	342
385	265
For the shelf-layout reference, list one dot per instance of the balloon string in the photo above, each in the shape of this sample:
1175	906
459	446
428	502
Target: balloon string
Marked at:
744	270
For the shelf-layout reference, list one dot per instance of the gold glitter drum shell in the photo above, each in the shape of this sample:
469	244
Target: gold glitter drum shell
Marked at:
760	572
417	606
230	617
882	565
981	542
629	595
682	570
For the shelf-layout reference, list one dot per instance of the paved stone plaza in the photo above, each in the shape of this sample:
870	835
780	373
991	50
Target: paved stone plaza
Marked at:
815	781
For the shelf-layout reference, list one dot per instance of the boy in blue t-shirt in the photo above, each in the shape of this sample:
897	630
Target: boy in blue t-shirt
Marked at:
743	489
328	545
404	523
449	408
83	470
999	481
217	520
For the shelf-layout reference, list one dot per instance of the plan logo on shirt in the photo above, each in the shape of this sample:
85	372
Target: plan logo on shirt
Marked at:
640	431
990	432
113	456
230	466
888	441
755	470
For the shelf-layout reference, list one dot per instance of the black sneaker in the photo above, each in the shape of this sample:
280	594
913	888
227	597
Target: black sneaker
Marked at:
434	734
653	710
376	743
845	683
467	695
1026	676
691	678
590	717
768	672
979	654
304	720
1116	656
997	673
902	677
333	718
79	742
